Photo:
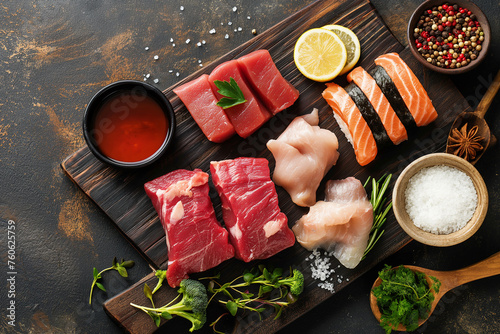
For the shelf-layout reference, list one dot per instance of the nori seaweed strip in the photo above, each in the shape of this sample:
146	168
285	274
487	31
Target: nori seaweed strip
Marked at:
390	91
370	115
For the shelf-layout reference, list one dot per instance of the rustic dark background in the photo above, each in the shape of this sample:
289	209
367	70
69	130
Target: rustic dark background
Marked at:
54	55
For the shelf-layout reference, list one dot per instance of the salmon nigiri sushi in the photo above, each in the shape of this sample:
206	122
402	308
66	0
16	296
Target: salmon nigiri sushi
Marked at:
352	123
413	93
393	126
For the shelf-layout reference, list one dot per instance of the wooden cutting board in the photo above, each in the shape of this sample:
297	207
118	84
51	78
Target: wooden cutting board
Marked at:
121	196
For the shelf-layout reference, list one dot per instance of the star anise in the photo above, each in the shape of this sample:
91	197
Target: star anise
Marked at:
465	144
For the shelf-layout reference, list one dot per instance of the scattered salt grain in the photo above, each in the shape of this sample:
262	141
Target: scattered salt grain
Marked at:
235	30
222	23
156	57
235	9
148	75
173	44
156	80
203	42
198	44
230	23
188	41
226	36
248	17
145	79
201	65
240	28
171	40
170	71
199	61
182	8
212	31
177	74
440	199
146	48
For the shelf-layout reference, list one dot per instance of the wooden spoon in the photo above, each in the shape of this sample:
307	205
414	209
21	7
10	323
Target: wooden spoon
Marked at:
477	118
448	279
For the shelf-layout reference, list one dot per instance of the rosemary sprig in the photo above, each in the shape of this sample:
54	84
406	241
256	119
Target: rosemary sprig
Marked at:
380	208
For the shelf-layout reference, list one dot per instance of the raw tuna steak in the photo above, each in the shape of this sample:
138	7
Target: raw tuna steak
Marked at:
266	80
246	117
257	227
195	240
200	101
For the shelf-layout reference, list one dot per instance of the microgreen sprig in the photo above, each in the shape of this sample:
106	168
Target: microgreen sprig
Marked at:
118	266
380	208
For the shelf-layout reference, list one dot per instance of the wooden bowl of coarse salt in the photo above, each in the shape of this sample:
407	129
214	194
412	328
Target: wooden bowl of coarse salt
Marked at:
440	200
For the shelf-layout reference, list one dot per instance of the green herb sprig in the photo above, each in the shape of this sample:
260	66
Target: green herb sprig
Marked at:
231	91
120	267
380	208
238	297
404	297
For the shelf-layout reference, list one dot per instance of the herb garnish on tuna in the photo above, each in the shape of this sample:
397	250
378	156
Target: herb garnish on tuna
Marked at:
231	91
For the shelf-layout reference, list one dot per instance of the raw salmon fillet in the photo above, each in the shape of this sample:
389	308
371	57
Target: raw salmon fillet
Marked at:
411	90
201	102
266	80
341	224
257	227
393	126
352	123
304	153
246	117
195	239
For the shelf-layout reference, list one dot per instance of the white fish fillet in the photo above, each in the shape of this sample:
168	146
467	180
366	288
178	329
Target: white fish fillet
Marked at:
341	224
304	153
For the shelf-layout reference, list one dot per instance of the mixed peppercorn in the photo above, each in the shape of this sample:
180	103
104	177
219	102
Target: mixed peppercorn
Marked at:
448	36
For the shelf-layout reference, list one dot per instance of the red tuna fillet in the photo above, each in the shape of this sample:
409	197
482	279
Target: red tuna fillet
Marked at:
195	239
246	117
201	102
266	80
257	227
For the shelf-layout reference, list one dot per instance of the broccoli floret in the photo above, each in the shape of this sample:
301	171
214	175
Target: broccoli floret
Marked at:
295	282
192	306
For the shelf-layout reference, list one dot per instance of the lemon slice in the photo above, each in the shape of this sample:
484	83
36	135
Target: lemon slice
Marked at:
319	54
351	43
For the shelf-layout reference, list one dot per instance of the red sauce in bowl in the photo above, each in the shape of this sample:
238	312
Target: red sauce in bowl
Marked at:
129	129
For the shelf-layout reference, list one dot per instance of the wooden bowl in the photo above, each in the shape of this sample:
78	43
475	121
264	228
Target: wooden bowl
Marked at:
440	240
415	17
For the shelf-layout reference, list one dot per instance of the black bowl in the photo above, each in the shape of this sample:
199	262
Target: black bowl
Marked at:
136	89
461	3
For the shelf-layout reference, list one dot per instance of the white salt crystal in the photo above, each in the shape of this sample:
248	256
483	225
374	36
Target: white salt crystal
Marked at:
203	42
156	80
212	31
226	36
199	61
177	74
171	40
170	71
148	75
156	57
230	23
187	41
440	199
235	8
182	8
240	28
198	44
146	48
173	44
248	17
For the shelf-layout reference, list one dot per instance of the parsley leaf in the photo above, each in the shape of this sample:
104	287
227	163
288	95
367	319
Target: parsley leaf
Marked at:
231	91
404	297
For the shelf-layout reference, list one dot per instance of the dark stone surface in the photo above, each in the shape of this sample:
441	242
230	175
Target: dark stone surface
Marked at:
54	55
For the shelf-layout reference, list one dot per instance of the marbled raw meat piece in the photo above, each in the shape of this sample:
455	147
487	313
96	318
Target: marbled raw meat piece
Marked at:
304	153
341	224
195	239
257	227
